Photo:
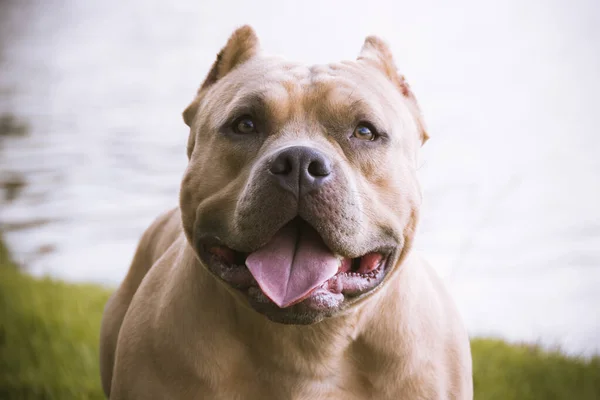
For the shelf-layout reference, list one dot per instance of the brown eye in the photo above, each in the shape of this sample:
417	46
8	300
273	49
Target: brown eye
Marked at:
363	132
244	126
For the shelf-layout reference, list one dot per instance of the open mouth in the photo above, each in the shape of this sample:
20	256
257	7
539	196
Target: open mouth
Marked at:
296	266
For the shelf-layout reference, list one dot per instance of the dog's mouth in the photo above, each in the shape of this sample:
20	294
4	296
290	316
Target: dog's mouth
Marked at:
296	266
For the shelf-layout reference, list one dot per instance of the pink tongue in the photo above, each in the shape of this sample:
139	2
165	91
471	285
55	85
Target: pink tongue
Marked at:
292	264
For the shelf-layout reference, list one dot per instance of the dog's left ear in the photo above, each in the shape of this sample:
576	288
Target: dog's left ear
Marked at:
377	53
242	45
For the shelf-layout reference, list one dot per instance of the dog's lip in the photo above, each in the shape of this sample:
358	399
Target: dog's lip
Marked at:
345	283
206	241
204	244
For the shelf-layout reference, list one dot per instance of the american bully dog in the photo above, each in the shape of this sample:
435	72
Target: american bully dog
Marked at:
287	272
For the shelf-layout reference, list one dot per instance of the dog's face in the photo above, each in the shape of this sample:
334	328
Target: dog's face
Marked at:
300	194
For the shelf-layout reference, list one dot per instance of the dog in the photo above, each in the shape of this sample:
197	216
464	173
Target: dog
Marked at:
287	272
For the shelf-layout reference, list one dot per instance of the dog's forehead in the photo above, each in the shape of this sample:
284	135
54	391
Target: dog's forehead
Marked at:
265	73
288	88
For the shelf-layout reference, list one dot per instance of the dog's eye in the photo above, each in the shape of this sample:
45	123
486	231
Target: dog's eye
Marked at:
364	132
244	125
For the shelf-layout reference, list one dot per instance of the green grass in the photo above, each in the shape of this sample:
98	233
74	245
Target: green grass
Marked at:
527	372
48	337
49	345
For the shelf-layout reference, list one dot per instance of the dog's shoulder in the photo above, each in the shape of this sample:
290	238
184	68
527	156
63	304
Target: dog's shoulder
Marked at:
418	313
452	349
155	241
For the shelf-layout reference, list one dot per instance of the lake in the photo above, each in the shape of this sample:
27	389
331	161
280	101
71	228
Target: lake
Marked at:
92	143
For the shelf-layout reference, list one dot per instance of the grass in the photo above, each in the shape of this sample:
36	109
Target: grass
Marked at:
527	372
49	345
48	337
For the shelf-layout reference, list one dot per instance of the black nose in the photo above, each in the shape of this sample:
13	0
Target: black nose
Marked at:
300	169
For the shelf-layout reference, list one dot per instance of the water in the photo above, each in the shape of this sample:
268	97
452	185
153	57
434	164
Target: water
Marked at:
510	176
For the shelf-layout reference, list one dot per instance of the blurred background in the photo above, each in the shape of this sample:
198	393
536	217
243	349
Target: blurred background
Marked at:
92	144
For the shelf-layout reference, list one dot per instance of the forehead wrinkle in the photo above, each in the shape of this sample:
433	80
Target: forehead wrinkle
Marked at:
343	105
375	86
269	100
364	109
295	93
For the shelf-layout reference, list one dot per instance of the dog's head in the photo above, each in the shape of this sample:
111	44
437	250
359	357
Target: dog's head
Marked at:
300	193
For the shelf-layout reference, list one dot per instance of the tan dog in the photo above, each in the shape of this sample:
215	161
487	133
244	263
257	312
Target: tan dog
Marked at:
286	272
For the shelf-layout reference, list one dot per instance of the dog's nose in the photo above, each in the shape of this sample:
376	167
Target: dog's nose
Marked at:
300	169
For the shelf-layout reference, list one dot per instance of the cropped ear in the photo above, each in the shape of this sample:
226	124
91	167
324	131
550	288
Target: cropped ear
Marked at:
377	53
242	45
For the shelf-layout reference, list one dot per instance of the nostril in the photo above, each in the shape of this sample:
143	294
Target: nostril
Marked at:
281	166
319	168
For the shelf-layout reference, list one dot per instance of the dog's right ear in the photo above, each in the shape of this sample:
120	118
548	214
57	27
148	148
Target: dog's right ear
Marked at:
242	45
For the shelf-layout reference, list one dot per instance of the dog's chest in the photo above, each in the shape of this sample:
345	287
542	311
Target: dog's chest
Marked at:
283	376
269	384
